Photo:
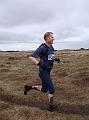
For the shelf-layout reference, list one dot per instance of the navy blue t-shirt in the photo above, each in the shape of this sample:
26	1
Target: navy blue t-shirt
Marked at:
46	55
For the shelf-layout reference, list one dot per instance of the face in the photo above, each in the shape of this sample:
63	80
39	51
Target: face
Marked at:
50	39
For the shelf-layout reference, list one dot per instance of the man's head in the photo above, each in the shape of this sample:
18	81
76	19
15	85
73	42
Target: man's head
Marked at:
48	37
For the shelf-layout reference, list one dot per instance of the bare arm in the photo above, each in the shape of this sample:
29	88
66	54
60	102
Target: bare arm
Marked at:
34	60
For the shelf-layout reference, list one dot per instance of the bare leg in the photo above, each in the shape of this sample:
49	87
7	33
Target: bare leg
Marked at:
28	88
37	87
51	99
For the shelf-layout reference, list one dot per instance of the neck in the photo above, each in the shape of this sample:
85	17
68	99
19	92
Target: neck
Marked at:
49	45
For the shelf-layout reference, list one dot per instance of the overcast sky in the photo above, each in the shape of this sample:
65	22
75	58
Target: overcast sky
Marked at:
23	23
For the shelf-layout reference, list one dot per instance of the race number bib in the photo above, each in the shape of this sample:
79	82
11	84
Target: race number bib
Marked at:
51	57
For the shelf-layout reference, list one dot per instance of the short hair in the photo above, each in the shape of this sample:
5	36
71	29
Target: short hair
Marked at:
47	34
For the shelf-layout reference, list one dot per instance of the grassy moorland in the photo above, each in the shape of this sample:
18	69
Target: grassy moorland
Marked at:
71	79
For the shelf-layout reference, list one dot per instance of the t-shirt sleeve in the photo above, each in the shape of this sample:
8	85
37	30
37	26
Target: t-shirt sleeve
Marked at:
37	52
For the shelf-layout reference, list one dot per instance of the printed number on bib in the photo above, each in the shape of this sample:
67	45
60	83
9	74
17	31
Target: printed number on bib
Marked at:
51	57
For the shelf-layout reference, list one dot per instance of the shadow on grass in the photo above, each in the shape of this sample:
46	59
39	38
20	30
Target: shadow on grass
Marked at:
73	109
60	108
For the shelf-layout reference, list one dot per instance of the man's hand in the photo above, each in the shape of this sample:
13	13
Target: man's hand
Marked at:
41	64
57	59
34	60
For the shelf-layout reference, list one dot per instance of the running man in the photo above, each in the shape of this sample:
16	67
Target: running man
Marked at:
46	54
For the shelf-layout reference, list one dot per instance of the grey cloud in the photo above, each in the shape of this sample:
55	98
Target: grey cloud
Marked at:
14	38
24	21
20	12
71	45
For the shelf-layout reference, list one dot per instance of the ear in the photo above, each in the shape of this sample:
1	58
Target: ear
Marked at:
48	37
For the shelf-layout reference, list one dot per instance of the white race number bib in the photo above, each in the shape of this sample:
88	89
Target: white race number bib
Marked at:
51	57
